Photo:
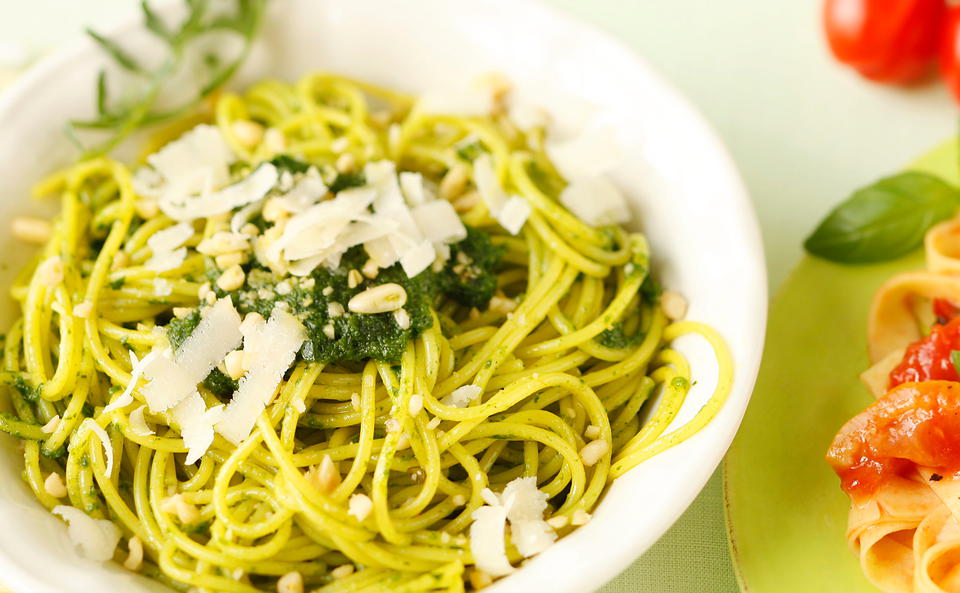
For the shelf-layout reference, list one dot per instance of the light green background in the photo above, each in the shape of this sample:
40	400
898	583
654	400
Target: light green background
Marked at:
803	131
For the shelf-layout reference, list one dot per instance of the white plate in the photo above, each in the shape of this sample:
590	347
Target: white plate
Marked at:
685	189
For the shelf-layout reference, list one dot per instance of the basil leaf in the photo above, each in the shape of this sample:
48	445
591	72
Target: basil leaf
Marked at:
955	359
884	220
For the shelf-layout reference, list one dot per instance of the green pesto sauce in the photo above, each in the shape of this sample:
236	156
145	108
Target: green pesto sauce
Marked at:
469	277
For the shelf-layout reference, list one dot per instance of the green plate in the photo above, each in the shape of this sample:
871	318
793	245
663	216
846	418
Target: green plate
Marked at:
786	515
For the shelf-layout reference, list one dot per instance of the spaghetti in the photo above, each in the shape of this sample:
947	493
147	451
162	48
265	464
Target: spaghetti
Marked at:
363	472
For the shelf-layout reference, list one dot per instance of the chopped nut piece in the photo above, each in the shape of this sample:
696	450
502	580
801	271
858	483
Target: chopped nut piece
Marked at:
228	260
234	363
54	486
146	208
342	571
340	144
370	269
354	279
392	425
580	517
176	505
593	451
83	310
134	554
327	291
480	579
274	140
32	230
402	318
324	477
334	309
558	522
50	272
360	506
459	500
248	133
231	279
502	304
379	299
415	404
453	183
292	582
346	163
181	312
203	291
592	432
674	305
330	331
273	210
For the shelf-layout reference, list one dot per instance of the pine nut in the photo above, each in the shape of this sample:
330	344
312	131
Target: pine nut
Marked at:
415	404
222	243
50	272
592	432
402	318
379	299
248	133
292	582
342	571
558	522
453	183
360	506
324	477
54	486
674	304
580	517
231	279
32	230
354	279
593	451
135	554
234	364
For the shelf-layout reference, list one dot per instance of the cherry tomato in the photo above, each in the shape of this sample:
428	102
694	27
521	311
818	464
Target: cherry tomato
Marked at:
893	41
914	424
950	51
929	357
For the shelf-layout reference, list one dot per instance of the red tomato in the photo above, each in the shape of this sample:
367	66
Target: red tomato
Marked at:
929	358
950	51
892	41
945	310
914	424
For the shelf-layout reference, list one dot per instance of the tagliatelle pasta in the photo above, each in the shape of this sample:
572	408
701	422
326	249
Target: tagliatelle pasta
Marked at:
904	521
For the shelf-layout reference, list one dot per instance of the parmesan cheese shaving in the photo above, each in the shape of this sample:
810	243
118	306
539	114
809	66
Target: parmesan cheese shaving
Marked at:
487	540
245	191
589	154
271	349
166	249
438	222
174	376
596	201
138	423
98	431
514	214
136	372
196	425
196	162
96	539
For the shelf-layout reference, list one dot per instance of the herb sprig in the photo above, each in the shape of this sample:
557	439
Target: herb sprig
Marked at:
884	220
122	118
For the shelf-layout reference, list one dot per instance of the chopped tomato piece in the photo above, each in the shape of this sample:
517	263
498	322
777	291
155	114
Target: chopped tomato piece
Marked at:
915	424
945	310
929	358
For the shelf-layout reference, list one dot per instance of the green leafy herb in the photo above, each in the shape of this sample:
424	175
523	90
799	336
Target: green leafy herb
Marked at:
884	220
347	180
955	359
125	116
469	151
285	162
179	329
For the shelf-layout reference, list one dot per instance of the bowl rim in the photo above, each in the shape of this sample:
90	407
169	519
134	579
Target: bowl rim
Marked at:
615	559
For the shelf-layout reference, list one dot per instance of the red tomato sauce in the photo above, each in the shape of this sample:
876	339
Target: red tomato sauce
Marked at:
914	424
929	358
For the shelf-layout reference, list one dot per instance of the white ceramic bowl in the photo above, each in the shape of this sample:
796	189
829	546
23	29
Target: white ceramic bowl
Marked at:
686	193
